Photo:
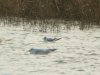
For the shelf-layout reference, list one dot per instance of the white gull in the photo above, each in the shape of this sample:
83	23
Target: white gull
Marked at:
51	39
40	51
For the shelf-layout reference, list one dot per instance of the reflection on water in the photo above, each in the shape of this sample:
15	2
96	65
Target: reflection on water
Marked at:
78	52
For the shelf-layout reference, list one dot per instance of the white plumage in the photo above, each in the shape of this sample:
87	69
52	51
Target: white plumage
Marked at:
51	39
40	51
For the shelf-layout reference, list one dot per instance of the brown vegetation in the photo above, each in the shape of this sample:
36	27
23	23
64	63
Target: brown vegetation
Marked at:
83	10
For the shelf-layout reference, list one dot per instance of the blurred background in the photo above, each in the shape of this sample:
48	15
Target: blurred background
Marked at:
85	12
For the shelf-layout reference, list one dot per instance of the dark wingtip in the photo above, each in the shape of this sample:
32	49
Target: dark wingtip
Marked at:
58	38
53	49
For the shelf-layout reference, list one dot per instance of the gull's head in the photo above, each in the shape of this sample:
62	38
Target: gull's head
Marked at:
45	38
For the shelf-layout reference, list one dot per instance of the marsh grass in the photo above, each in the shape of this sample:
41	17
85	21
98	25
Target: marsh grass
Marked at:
50	15
47	25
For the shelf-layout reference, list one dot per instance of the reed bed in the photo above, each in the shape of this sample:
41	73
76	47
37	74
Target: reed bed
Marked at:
50	14
47	25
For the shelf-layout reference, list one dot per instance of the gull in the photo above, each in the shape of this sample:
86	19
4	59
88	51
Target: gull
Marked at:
40	51
51	39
